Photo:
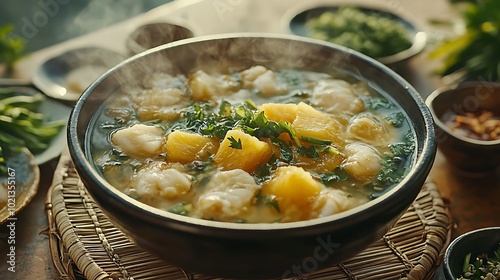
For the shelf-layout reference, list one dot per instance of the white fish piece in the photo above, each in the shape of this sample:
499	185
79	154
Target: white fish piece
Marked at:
159	104
228	195
157	179
205	87
268	84
159	97
336	96
369	129
249	75
362	162
140	140
333	201
165	80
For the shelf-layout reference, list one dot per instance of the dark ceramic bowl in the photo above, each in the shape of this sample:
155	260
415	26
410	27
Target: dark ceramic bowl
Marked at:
152	35
238	250
466	154
297	17
476	242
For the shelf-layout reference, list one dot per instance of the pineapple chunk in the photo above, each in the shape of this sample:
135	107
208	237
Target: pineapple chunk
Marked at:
279	112
294	189
310	122
253	152
326	162
185	147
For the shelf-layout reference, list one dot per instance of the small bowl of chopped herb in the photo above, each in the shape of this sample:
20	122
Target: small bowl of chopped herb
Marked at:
373	31
467	120
474	255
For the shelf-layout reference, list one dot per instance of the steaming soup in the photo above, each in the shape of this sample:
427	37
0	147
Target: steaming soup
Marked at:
253	146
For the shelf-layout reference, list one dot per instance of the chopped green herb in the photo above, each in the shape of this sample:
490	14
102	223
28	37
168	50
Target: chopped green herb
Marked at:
199	165
392	171
269	200
180	208
264	171
250	104
225	109
318	141
404	148
482	267
202	119
373	103
235	144
396	119
337	175
393	166
310	152
287	127
286	153
379	36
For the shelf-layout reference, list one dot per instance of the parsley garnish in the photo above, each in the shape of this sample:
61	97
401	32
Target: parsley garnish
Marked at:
337	175
393	166
396	119
392	170
269	200
374	103
235	144
216	122
318	141
286	153
180	208
404	148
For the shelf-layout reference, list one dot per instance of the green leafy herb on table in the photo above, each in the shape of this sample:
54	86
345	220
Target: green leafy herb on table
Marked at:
11	48
22	126
483	267
474	54
369	33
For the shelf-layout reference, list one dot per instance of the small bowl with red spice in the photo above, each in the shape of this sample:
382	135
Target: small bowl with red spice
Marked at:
467	120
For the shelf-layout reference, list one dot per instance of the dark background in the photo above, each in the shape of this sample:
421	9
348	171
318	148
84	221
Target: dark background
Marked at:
42	23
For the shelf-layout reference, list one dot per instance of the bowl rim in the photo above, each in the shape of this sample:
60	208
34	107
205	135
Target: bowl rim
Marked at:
418	40
426	153
450	89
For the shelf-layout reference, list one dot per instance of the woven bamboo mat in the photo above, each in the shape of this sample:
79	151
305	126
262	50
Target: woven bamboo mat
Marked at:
85	245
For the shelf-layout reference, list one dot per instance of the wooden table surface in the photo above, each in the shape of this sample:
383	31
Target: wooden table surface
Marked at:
473	202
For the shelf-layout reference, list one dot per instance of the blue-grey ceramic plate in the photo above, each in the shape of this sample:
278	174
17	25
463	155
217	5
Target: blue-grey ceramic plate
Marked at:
66	76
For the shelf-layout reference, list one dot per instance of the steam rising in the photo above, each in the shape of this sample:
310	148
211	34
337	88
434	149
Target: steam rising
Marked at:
234	54
155	34
100	13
